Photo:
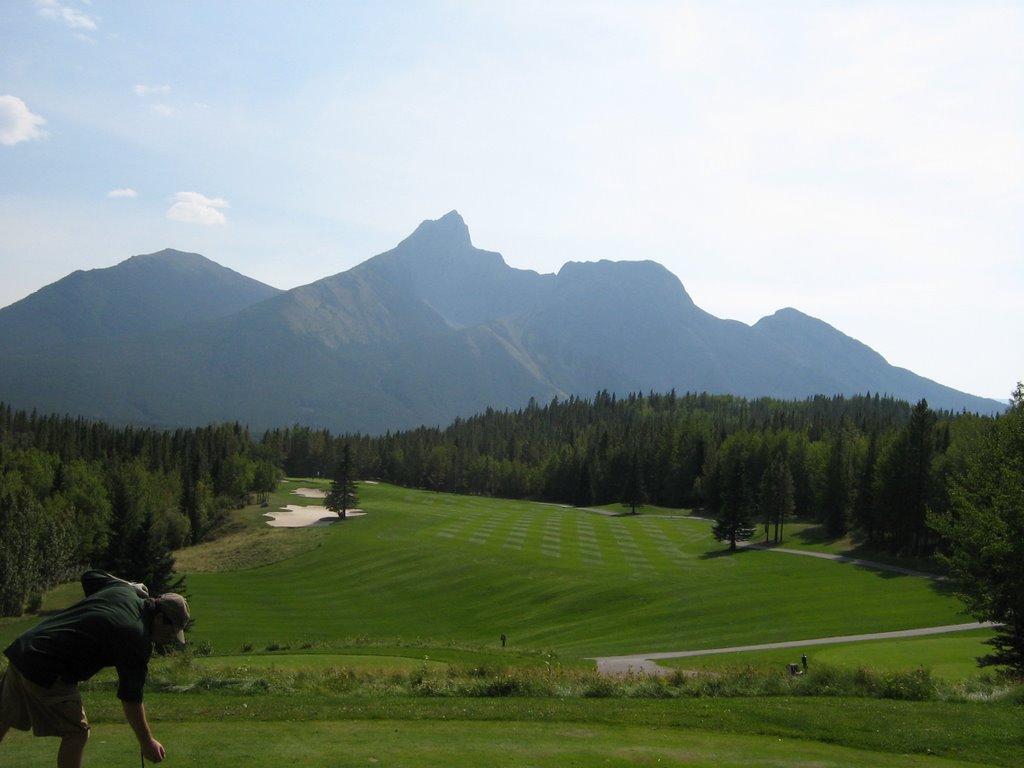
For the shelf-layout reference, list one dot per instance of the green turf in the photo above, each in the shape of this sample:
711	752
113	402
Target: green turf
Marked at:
217	731
454	744
310	662
445	569
948	657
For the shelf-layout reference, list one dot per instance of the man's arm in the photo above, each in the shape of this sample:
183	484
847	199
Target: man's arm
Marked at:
135	714
95	580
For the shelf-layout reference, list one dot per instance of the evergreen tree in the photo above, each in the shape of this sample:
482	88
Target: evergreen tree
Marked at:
125	522
633	493
343	494
865	512
904	486
584	496
776	496
154	566
921	441
840	483
985	535
735	513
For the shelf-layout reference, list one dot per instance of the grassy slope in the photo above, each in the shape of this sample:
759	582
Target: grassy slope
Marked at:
454	569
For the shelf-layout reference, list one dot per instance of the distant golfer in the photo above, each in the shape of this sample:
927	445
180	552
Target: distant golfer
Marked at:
114	626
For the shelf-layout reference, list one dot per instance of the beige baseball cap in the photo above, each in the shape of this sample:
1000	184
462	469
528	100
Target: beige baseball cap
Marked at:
175	608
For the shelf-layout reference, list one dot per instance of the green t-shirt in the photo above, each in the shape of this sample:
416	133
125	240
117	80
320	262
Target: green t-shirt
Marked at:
109	628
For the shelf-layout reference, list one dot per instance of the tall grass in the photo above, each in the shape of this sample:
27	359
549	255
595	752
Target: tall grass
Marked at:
184	674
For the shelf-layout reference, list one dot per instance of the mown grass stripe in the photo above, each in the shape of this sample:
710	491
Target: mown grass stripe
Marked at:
389	574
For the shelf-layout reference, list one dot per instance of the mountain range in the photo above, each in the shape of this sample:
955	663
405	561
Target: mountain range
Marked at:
429	331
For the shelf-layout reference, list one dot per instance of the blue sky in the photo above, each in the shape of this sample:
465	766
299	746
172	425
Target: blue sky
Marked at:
862	162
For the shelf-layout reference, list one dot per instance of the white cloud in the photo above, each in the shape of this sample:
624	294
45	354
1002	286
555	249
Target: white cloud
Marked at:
164	110
17	123
122	193
74	18
194	208
149	90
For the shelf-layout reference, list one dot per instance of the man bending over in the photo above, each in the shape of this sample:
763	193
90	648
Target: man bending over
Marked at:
114	626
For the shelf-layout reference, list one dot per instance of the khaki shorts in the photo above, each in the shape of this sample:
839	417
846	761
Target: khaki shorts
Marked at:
53	711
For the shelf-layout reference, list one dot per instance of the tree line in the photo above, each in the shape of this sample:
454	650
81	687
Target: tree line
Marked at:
869	465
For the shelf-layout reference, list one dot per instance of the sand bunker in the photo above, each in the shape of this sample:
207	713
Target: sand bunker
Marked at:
294	516
310	493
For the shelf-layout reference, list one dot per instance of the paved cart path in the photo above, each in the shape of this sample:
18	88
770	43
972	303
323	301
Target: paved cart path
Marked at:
845	559
646	663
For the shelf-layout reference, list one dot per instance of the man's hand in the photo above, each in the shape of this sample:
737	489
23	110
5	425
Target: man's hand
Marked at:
153	751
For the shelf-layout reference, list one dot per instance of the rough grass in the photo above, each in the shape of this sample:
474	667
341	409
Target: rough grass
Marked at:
245	549
248	542
467	675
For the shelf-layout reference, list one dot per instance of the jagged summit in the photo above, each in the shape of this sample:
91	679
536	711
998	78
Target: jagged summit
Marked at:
448	232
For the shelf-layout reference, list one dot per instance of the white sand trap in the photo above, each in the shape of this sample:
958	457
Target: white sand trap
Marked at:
310	493
294	516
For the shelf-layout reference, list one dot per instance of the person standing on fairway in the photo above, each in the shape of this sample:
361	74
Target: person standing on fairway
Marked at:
115	625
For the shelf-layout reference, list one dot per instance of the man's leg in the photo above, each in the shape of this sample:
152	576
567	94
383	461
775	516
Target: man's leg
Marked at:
54	711
8	705
71	748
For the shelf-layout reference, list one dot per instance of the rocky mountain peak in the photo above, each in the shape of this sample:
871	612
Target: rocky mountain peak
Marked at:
438	235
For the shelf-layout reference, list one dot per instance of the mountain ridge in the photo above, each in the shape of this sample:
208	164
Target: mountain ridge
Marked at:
143	293
428	331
